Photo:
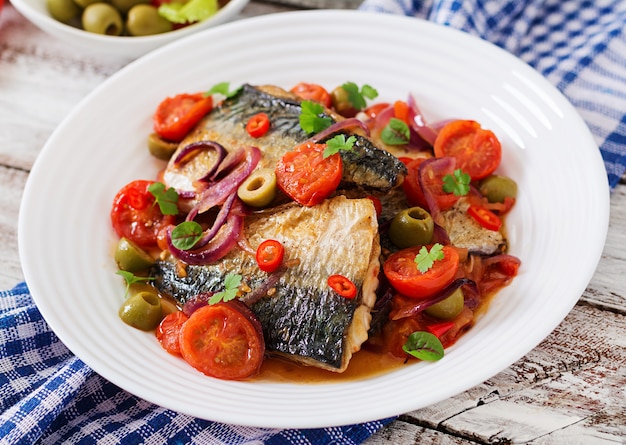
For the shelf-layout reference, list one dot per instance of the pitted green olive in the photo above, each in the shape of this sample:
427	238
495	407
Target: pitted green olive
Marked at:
411	227
102	18
144	20
160	148
496	188
131	257
63	10
259	189
142	311
449	308
341	102
82	4
124	5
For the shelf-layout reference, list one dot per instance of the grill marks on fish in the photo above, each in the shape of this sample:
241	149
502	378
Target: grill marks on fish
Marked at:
302	319
366	166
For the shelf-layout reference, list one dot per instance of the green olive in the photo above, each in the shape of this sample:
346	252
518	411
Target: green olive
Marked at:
341	102
496	188
142	311
259	189
131	257
411	227
63	10
160	148
144	20
102	18
449	308
124	6
82	4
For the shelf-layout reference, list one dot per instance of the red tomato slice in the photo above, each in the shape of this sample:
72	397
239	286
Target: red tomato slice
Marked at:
433	180
258	125
485	218
477	151
342	285
269	255
313	91
176	116
223	340
306	176
168	331
375	109
136	216
403	274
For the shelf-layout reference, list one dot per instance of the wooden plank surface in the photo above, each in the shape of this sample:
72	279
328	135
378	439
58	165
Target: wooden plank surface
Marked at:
570	389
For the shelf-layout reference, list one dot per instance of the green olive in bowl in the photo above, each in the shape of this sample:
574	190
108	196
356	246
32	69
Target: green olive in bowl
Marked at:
144	20
102	18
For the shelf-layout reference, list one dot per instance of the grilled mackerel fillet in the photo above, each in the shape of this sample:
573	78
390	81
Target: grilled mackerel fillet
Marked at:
302	318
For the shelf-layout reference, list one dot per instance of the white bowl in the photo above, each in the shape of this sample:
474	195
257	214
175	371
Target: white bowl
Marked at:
117	46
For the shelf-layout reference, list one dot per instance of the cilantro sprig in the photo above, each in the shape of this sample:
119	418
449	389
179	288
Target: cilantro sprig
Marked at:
457	183
424	346
338	143
312	119
167	199
396	132
425	259
186	234
223	88
357	96
130	278
232	282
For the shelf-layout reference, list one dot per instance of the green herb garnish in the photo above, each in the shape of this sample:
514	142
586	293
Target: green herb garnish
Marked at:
223	88
311	118
231	288
339	142
357	96
424	346
396	132
186	235
457	183
425	258
165	198
188	12
131	278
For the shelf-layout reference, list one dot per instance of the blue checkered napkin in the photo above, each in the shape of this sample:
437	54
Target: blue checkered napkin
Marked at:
48	396
578	45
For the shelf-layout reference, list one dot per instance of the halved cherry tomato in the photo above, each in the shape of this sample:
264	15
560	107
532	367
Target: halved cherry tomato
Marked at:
433	180
342	285
477	151
269	255
374	110
306	176
258	125
313	91
136	216
485	218
168	331
223	340
176	116
403	274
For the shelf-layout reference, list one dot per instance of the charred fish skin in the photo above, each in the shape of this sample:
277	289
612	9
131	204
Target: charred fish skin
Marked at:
365	166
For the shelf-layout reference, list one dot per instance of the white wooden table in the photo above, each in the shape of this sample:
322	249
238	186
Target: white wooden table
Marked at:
571	389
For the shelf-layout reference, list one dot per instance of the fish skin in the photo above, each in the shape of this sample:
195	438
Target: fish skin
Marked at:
366	166
303	320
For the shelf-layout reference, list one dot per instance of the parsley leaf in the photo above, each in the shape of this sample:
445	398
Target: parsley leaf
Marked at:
457	183
186	235
424	346
357	96
310	119
223	88
337	143
231	288
166	199
131	278
396	132
425	259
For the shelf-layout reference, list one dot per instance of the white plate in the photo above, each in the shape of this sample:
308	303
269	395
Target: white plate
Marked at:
558	227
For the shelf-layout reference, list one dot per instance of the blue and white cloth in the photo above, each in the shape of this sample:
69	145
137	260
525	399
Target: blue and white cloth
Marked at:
48	396
578	45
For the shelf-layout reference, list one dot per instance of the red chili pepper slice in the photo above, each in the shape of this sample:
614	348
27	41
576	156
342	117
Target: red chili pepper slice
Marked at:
269	255
485	218
258	125
342	285
438	329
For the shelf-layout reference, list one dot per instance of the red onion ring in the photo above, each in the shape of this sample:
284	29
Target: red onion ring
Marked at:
436	164
418	123
222	215
191	150
339	126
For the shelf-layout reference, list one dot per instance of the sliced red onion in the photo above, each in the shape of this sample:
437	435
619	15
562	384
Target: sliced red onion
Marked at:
252	297
420	305
191	150
436	164
196	302
227	163
217	192
418	123
339	126
220	219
